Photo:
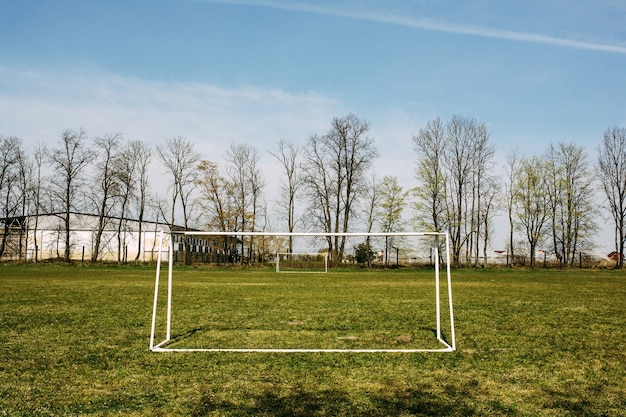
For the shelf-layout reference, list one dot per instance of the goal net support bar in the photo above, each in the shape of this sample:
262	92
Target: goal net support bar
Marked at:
448	344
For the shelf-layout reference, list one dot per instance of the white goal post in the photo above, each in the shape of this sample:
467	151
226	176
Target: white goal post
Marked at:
446	343
314	255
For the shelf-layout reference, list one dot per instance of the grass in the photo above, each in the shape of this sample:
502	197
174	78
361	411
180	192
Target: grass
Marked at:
74	341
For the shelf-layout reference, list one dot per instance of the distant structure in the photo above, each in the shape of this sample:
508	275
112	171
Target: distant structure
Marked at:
41	238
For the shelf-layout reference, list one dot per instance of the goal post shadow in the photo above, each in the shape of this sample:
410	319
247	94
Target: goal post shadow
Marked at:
444	330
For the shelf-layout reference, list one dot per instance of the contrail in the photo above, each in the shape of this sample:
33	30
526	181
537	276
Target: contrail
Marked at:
432	25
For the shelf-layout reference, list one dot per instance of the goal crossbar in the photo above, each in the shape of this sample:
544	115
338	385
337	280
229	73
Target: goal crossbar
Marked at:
448	345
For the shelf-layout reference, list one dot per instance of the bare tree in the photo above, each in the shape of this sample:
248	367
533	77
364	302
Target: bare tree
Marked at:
459	161
335	176
453	168
105	188
491	190
36	190
371	214
319	189
157	206
532	201
571	200
429	145
257	184
25	170
245	174
466	159
511	171
611	166
217	198
237	160
218	202
12	193
288	155
482	180
392	203
125	171
142	154
180	159
68	161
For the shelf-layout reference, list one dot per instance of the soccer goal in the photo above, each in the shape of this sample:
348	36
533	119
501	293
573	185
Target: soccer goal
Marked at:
400	303
301	262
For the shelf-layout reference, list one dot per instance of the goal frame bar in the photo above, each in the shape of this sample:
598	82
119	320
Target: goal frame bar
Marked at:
447	346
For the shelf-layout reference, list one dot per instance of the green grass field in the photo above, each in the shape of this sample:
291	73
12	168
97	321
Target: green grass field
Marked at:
74	341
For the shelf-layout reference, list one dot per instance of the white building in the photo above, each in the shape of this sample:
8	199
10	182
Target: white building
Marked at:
40	238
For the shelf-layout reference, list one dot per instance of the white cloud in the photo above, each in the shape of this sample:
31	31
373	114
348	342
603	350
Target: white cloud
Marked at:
38	106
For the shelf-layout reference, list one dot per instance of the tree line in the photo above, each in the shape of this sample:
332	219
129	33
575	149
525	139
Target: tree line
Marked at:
328	184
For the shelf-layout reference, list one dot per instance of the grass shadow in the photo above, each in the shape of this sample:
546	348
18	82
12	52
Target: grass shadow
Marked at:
298	402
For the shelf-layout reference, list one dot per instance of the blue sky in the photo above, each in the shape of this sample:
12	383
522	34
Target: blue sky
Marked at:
537	72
